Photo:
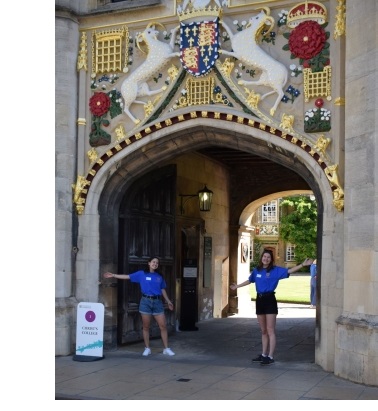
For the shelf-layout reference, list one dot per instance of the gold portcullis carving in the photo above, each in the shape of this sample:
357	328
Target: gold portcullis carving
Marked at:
200	91
107	49
317	84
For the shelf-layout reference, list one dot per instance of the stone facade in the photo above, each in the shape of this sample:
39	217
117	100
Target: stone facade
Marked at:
341	172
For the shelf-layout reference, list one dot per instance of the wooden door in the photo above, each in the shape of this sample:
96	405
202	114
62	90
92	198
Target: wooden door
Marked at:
147	229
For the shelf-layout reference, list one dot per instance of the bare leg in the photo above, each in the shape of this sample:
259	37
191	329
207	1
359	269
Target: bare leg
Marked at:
160	319
264	334
146	319
271	329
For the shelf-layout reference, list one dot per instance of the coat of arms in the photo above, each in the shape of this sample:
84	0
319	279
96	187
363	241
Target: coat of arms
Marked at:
199	38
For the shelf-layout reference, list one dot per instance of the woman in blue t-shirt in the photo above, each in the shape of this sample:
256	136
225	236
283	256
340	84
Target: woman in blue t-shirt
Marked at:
153	286
266	277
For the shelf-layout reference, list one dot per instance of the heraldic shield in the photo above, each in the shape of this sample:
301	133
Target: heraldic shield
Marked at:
199	46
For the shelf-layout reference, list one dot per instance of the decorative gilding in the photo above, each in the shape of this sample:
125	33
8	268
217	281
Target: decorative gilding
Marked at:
322	143
200	91
181	118
82	60
100	162
149	107
173	73
252	97
158	126
78	189
226	67
338	192
339	101
317	84
108	49
197	10
92	155
340	19
262	126
193	114
147	130
120	132
308	10
287	122
81	121
204	114
79	209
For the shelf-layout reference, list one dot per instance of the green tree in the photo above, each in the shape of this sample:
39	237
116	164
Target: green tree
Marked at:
298	225
257	249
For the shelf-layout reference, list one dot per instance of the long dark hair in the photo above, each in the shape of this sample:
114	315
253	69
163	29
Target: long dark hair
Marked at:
147	270
271	265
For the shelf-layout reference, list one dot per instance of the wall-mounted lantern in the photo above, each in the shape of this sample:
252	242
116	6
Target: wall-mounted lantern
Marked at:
205	197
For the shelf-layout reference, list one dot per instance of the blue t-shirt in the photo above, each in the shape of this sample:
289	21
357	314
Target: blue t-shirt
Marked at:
267	282
150	283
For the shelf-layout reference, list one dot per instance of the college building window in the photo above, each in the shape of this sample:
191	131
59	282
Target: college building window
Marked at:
290	252
269	212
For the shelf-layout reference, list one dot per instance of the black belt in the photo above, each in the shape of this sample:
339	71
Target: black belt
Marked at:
151	297
265	294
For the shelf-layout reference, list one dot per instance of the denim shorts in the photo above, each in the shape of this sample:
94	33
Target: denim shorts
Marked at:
149	306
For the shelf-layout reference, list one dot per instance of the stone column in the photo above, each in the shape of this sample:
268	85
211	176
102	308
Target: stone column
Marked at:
356	356
66	52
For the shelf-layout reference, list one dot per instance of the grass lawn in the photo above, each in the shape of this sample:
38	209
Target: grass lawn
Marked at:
295	289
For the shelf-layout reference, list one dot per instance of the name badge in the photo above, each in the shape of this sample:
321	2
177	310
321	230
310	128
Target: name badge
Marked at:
258	275
148	278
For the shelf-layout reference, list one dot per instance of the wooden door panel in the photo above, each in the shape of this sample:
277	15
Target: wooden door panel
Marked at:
147	227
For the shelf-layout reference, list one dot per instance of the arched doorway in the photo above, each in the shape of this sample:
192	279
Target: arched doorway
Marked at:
270	168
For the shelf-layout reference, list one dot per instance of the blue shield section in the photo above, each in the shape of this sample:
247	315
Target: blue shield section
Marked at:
199	46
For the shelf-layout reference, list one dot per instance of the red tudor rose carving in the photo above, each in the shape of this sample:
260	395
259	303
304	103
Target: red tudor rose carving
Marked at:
307	40
99	104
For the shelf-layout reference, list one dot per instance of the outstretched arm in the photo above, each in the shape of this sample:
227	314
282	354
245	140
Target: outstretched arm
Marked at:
235	286
118	276
306	263
166	298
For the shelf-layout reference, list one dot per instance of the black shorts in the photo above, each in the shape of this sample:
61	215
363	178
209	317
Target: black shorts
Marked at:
266	304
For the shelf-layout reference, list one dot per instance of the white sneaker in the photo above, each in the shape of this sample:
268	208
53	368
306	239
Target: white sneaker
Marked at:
168	351
146	352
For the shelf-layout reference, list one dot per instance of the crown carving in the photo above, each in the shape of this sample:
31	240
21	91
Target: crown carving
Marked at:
200	12
312	10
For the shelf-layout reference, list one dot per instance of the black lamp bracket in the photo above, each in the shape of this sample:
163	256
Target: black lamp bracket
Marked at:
184	202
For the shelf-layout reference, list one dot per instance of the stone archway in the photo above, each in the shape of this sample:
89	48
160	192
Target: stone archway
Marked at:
164	146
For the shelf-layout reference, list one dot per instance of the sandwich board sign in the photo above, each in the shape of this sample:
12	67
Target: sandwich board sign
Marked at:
89	332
